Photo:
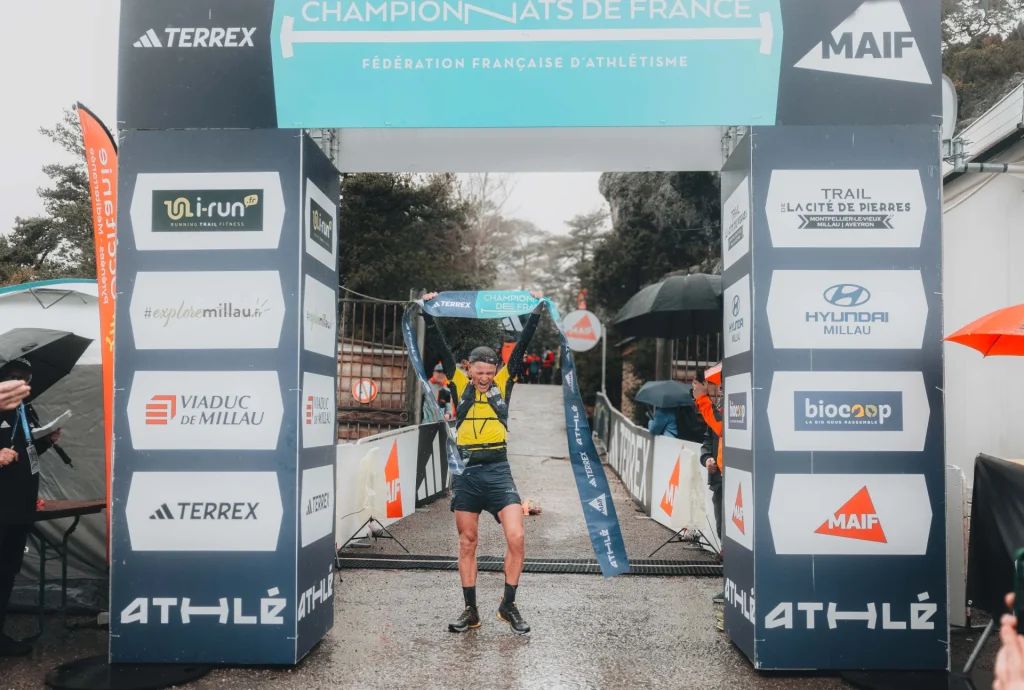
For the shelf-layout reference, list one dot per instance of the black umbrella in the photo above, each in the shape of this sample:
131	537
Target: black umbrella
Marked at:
665	394
52	354
676	307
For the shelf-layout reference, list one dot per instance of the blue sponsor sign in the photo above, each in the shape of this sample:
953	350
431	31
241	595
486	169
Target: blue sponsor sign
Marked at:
526	63
848	410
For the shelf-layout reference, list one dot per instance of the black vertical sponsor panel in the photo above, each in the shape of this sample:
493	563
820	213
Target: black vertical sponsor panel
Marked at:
880	63
739	559
220	75
316	559
855	591
242	587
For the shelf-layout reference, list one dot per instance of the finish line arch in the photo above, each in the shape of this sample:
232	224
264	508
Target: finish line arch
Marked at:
823	119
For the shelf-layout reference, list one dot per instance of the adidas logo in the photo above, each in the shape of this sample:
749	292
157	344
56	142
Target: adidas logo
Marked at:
600	505
5	425
198	37
162	513
876	42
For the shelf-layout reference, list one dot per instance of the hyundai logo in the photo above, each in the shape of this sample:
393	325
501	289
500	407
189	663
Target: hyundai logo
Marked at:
847	295
736	305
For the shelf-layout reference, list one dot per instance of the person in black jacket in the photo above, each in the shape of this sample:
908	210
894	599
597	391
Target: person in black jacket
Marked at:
708	458
19	487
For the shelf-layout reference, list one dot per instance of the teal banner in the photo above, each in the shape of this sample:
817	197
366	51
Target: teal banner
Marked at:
591	482
526	63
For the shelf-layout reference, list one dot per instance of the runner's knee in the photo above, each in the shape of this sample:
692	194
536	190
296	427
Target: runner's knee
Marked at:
467	541
515	537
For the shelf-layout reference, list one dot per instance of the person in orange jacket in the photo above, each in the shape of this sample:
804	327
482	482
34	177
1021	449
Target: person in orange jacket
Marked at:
711	456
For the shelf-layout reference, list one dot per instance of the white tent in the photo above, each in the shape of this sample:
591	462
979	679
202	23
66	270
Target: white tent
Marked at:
68	305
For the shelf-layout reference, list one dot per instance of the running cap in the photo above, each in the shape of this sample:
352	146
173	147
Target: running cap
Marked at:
483	354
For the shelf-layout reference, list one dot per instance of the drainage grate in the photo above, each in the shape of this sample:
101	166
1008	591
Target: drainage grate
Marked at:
576	566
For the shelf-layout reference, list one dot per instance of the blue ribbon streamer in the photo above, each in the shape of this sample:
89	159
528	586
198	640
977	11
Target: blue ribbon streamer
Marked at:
591	482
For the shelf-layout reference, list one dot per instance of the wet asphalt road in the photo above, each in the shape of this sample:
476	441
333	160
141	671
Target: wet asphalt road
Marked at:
391	626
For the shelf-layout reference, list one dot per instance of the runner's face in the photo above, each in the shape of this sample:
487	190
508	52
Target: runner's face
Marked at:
482	375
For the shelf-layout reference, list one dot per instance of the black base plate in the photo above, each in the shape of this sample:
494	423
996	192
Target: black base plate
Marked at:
896	680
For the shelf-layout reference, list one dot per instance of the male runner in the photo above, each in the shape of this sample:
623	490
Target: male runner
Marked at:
481	422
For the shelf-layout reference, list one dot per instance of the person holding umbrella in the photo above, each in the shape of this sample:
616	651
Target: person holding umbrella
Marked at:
19	485
666	397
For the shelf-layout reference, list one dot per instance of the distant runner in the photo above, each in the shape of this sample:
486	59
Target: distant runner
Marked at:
481	422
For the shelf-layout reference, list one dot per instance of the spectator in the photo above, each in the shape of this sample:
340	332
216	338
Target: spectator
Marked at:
533	363
711	456
443	396
548	370
663	423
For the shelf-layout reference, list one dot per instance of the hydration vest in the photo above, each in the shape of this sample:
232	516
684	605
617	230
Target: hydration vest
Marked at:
494	398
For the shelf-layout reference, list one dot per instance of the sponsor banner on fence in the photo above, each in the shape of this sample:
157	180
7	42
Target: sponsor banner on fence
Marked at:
846	208
204	511
207	210
205	410
321	221
316	504
738	510
828	310
319	318
679	486
631	454
848	411
850	514
739	419
319	412
207	310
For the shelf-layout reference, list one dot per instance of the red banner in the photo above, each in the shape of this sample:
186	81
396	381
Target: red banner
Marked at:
101	160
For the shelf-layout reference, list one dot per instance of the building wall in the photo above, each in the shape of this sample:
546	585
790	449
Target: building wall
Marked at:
983	247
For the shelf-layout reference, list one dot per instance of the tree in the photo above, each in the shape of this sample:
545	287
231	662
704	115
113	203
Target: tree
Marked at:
59	243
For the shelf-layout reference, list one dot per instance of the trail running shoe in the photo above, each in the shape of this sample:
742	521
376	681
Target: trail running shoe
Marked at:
509	613
469	619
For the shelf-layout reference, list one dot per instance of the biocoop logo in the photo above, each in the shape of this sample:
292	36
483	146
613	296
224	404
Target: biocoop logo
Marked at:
204	511
319	411
317	504
830	310
848	410
321	226
319	318
875	41
207	211
737	317
739	507
205	410
207	310
738	414
845	208
850	514
736	222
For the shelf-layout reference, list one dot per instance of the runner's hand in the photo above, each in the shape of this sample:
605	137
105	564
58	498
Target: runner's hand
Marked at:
7	456
1009	671
429	296
12	393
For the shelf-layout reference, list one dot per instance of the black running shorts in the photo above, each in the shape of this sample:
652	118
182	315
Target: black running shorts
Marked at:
485	488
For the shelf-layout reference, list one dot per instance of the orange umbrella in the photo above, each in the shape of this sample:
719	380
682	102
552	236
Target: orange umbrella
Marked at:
999	333
714	374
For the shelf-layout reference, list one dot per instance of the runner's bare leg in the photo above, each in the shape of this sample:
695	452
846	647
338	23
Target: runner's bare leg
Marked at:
512	524
468	525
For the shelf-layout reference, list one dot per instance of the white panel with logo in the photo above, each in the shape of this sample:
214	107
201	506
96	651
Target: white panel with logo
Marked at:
204	511
207	310
318	416
319	318
827	310
850	514
582	330
680	487
316	504
737	317
205	410
845	208
738	420
321	221
738	507
736	219
207	211
848	411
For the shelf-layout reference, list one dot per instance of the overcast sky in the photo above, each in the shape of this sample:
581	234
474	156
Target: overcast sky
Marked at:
56	53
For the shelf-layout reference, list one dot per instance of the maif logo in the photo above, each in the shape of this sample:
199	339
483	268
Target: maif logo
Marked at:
668	501
875	41
198	37
316	505
204	511
600	504
207	211
205	410
737	510
850	514
393	481
739	491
